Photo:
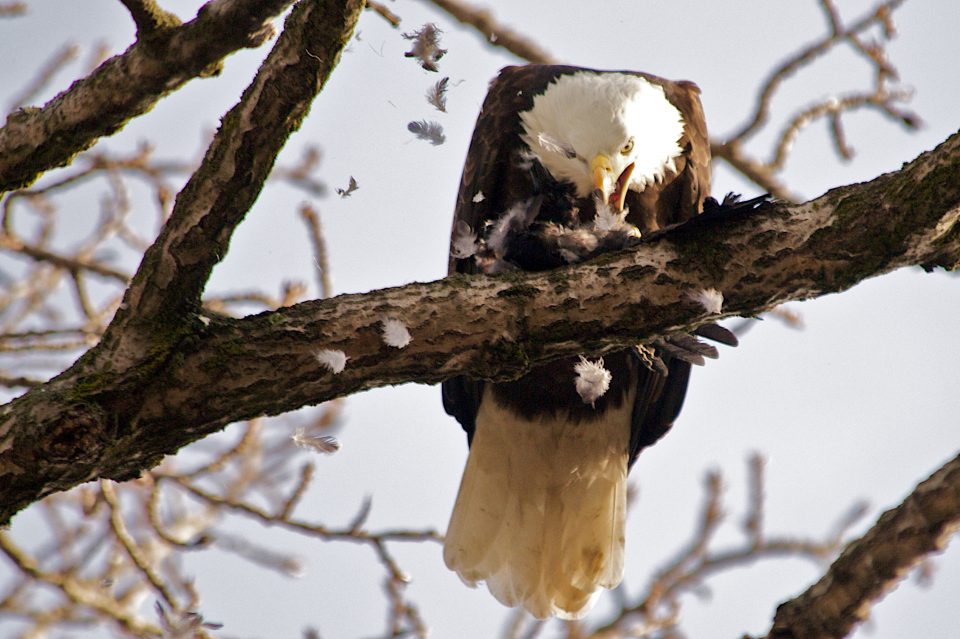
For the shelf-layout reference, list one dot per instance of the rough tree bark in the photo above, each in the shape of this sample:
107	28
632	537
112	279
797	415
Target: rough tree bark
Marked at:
164	375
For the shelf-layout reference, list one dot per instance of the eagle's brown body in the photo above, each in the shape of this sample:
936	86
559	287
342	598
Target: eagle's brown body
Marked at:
540	514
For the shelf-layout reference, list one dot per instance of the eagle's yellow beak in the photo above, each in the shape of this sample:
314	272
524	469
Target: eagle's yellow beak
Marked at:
612	189
602	169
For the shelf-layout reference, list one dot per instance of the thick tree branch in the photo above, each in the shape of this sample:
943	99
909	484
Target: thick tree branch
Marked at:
128	85
91	422
873	565
175	269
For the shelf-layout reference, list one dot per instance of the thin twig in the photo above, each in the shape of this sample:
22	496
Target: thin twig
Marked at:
130	546
80	593
286	509
385	13
833	108
311	218
349	534
792	64
12	9
753	522
495	33
39	254
42	78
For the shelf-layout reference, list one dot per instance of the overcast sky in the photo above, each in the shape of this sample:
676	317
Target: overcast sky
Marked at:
861	404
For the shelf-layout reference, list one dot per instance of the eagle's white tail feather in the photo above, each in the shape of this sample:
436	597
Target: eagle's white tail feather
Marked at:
541	510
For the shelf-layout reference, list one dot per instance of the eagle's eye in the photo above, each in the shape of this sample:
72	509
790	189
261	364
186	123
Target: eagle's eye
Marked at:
626	148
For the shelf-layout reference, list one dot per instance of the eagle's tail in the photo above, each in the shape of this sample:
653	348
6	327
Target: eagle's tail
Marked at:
541	510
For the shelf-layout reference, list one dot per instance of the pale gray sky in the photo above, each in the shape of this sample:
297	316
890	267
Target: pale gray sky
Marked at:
861	404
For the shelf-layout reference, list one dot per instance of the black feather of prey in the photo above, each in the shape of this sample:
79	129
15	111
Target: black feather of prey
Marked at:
426	46
430	131
437	95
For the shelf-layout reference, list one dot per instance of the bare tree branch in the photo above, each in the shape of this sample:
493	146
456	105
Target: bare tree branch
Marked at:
873	565
352	533
77	590
14	245
35	140
384	12
881	97
311	218
11	9
806	55
495	33
751	168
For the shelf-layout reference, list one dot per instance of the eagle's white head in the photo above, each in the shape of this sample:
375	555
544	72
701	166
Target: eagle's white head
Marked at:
604	132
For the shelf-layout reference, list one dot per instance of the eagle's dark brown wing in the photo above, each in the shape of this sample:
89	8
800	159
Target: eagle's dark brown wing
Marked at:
680	197
491	183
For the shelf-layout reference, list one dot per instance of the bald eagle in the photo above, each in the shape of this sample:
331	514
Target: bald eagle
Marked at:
567	162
